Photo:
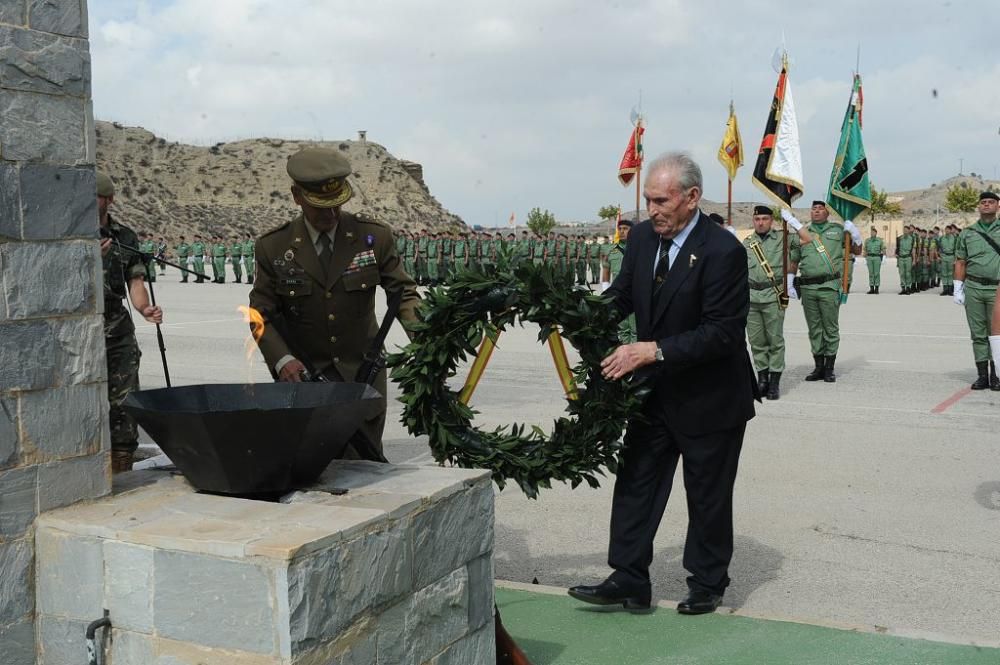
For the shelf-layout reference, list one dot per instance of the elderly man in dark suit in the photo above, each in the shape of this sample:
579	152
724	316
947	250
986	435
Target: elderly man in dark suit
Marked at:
685	279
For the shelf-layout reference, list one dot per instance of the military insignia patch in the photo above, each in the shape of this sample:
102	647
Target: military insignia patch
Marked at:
289	255
361	260
370	240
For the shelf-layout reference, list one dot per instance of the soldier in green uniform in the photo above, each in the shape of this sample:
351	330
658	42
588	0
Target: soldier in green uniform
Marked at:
318	275
936	254
410	255
874	255
161	253
248	258
594	260
523	248
198	258
183	251
549	249
580	259
491	250
906	249
447	256
432	258
460	253
148	246
821	265
626	329
977	273
236	257
421	257
769	292
537	249
606	246
946	246
400	242
123	278
219	260
473	249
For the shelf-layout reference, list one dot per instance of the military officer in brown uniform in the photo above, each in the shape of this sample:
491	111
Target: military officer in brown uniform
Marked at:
316	279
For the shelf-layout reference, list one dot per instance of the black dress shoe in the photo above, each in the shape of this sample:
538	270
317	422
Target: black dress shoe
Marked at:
610	592
699	602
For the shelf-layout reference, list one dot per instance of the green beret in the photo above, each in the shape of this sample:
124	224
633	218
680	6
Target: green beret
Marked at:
321	175
989	195
105	185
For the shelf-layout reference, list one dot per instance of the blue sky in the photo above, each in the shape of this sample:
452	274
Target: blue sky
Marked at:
521	104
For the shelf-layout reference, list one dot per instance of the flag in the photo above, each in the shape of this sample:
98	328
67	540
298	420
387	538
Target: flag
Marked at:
850	190
731	150
778	171
511	222
618	223
632	159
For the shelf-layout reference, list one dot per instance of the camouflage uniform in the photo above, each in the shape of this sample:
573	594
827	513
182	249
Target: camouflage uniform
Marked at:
120	267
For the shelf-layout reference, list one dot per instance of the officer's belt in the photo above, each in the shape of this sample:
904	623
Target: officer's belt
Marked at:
982	280
761	286
822	279
947	253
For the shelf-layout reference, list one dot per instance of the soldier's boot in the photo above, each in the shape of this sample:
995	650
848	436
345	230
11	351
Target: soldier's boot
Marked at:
819	370
905	291
774	386
762	382
238	280
121	461
982	382
876	290
828	375
944	291
994	379
871	291
249	280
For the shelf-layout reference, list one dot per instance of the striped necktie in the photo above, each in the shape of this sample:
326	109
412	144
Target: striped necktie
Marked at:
662	264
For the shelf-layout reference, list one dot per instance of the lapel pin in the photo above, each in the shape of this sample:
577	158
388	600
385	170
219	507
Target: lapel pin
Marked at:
298	240
692	260
289	255
370	240
349	235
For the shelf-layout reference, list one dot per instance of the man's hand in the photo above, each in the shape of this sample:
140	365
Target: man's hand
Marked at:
853	230
292	371
628	358
105	246
995	348
789	218
152	314
790	287
959	292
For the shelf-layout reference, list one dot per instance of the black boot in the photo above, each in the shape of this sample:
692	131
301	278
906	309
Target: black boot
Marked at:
774	386
905	291
983	380
871	291
876	290
828	374
818	372
994	379
238	280
762	382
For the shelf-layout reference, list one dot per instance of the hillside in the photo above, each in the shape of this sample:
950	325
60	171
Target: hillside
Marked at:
234	188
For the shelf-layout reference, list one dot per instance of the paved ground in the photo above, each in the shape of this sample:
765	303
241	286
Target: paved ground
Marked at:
874	501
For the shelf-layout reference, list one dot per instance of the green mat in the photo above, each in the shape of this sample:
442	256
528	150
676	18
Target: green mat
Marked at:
557	630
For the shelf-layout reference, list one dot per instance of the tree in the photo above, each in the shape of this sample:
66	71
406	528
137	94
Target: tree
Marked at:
608	213
961	199
881	205
542	221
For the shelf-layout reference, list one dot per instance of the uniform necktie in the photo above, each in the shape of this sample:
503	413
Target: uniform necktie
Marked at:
326	255
662	264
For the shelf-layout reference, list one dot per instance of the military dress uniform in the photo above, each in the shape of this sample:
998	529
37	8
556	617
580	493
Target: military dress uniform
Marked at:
766	318
905	248
626	329
431	260
236	256
198	260
946	246
149	247
979	288
248	259
874	254
325	298
219	262
446	258
183	251
821	268
410	256
594	261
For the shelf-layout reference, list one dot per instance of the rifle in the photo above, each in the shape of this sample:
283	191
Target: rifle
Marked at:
783	298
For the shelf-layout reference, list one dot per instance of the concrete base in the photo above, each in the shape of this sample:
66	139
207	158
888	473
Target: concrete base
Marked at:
398	570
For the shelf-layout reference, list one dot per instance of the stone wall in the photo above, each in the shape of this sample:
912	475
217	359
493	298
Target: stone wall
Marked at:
53	408
375	564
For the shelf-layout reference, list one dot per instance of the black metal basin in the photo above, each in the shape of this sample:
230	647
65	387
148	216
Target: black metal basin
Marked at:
253	439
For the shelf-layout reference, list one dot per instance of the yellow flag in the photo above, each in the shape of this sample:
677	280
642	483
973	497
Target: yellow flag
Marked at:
731	150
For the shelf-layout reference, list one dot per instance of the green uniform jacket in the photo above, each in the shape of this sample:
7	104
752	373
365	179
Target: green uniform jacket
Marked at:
947	245
815	263
182	250
236	251
248	248
761	289
874	247
218	251
905	245
615	257
198	250
329	319
981	260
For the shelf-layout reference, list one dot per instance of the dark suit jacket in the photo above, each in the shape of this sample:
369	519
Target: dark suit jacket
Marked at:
706	380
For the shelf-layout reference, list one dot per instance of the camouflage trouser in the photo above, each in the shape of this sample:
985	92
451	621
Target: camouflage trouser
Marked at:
123	377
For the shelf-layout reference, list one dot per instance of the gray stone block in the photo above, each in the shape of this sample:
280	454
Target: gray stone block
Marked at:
39	62
18	501
452	532
62	422
327	590
70	575
10	201
80	343
26	134
52	279
13	12
63	17
476	649
17	643
68	481
128	586
213	602
60	641
481	589
21	343
128	648
8	437
58	202
420	627
16	564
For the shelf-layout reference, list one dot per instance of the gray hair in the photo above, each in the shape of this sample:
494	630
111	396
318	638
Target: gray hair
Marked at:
681	166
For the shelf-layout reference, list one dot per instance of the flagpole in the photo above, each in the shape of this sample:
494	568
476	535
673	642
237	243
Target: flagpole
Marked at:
729	204
638	168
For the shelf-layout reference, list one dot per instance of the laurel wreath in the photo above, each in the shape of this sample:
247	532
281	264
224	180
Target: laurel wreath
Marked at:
453	321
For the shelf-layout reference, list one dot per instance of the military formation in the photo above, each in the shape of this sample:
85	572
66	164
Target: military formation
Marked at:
925	259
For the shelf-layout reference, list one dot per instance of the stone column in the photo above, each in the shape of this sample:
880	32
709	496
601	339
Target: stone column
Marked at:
53	405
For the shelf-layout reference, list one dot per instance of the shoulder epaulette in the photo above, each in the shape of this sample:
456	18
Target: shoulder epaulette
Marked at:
275	229
365	218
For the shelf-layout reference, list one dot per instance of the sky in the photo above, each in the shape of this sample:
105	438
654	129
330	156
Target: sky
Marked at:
520	104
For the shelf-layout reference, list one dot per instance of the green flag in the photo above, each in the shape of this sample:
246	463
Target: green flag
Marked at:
850	190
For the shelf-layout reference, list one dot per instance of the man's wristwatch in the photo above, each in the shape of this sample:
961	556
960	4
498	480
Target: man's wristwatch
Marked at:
658	355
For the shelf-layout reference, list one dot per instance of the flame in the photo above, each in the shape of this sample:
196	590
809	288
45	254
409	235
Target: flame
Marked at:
256	321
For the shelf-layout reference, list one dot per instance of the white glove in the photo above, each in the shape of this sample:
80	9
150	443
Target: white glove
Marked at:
995	348
959	292
605	286
792	293
853	230
790	219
